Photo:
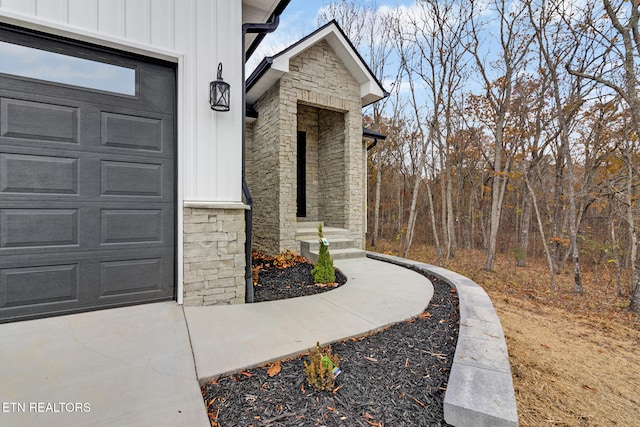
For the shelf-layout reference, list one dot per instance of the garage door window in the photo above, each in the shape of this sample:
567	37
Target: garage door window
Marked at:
55	67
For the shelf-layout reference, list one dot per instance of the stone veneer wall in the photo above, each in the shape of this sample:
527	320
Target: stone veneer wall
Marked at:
263	172
317	81
332	174
214	261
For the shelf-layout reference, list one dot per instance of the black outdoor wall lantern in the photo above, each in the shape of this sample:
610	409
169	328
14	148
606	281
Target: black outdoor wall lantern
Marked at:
219	93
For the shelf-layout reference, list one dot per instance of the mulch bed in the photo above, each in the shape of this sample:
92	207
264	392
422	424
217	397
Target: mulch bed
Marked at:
294	280
396	377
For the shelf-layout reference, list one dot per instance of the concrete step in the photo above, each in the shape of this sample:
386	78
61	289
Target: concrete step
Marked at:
310	224
310	233
334	243
337	254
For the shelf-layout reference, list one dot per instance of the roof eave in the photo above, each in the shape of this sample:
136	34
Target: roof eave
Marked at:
277	11
272	68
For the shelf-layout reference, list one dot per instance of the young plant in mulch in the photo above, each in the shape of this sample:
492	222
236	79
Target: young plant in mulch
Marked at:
286	275
323	272
322	369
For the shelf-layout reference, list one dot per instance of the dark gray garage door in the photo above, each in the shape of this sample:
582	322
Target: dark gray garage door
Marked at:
87	179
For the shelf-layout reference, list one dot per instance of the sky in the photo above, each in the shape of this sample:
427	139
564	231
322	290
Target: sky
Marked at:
299	19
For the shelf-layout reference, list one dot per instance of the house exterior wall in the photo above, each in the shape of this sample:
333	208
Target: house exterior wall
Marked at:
195	35
263	172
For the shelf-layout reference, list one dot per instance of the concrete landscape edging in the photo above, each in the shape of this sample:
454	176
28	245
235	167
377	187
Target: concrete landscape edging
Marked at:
480	389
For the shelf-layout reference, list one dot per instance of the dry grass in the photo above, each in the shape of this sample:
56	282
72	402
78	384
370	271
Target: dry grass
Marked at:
575	359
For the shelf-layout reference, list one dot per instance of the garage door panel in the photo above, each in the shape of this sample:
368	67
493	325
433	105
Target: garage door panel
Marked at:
131	226
152	77
38	121
38	174
150	93
131	132
31	230
99	130
131	179
21	228
59	287
31	285
130	276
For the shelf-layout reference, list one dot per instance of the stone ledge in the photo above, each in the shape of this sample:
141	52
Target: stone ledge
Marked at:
480	389
214	205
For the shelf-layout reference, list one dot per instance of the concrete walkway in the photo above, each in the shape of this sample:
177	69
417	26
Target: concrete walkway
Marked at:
129	366
141	365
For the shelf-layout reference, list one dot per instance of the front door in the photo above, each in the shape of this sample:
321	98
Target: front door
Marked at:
301	193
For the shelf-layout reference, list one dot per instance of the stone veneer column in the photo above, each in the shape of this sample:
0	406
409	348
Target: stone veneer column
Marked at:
214	259
263	172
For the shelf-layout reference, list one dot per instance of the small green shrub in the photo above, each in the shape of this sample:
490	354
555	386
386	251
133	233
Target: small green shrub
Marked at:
322	369
323	271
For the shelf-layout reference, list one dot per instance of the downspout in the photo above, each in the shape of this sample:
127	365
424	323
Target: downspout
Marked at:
258	28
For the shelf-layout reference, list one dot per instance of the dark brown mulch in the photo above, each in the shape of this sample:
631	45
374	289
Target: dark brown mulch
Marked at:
290	282
396	377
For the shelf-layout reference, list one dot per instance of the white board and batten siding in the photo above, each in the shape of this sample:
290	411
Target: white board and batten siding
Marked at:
196	34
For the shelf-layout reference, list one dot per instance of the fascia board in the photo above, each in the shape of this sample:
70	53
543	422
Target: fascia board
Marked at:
265	83
280	64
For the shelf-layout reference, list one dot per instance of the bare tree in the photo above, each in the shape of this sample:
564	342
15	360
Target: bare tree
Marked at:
497	76
607	51
567	98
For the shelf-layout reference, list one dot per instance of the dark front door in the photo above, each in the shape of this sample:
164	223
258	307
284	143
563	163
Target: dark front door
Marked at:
301	199
87	180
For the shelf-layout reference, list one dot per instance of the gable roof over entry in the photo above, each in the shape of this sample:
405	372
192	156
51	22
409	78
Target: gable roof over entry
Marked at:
269	71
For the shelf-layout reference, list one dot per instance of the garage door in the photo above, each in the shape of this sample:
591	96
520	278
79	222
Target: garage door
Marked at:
87	177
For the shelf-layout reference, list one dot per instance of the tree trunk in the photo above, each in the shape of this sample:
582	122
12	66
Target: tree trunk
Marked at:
555	225
614	249
412	216
552	273
634	295
494	219
523	245
434	229
634	300
451	230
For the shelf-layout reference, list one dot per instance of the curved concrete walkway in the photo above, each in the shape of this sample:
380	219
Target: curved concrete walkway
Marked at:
230	338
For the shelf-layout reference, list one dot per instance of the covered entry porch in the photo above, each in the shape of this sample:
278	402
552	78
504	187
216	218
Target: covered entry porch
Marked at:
305	154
